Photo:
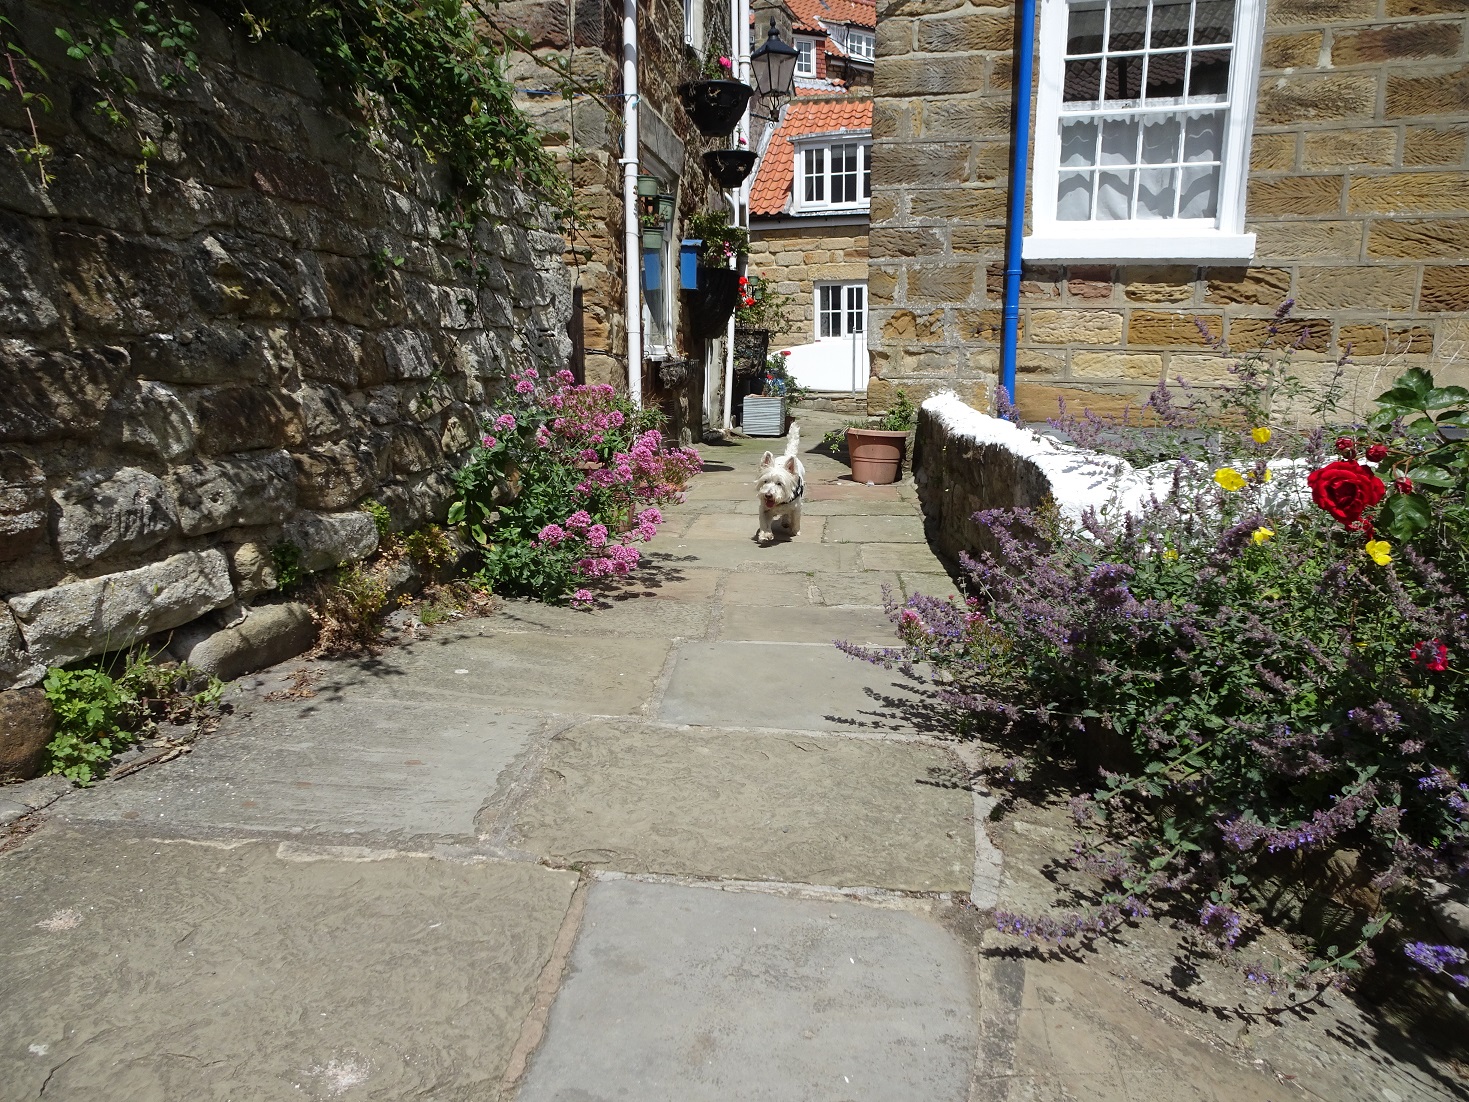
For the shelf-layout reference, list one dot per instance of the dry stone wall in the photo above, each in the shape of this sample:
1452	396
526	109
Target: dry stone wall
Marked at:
1358	194
233	349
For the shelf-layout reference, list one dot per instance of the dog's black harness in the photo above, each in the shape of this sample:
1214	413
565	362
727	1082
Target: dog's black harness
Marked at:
800	489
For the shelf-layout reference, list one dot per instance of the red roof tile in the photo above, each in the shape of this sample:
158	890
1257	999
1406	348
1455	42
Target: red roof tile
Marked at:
809	16
807	115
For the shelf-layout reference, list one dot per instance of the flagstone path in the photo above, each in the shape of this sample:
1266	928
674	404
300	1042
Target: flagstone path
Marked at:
678	849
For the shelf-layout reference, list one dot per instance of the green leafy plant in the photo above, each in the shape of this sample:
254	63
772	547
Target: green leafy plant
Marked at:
901	416
763	307
1424	430
98	715
381	519
348	606
719	241
285	557
430	548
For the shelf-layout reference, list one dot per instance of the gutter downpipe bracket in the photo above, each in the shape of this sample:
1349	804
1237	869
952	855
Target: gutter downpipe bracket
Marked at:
1019	166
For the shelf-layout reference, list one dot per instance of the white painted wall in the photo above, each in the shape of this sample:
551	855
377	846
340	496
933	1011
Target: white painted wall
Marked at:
836	363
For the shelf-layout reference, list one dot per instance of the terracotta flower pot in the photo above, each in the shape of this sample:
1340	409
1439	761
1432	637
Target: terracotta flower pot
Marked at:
876	454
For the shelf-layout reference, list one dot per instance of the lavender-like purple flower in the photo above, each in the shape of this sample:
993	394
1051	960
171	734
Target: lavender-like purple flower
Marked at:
1439	960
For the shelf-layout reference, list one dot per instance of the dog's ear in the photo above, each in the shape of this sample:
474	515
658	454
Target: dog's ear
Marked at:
767	459
791	464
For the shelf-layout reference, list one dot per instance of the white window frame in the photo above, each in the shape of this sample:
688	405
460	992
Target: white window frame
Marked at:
844	311
803	46
869	44
1219	239
824	143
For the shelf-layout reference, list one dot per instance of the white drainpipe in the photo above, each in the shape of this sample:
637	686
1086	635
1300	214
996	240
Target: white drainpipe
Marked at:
633	243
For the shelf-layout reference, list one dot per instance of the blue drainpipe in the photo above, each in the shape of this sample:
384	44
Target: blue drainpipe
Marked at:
1019	166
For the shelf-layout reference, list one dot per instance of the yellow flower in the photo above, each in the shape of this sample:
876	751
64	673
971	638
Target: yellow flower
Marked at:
1261	534
1230	479
1380	550
1170	555
1267	476
1261	435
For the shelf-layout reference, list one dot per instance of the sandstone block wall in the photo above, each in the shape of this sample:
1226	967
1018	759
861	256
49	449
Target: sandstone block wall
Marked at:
796	259
233	349
1358	192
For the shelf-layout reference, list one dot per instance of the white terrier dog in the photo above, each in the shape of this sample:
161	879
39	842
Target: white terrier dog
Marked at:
781	486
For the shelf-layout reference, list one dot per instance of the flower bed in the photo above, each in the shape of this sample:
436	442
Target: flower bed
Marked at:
1266	664
566	482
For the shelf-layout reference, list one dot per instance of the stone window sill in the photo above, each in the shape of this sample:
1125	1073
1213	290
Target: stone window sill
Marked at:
1203	248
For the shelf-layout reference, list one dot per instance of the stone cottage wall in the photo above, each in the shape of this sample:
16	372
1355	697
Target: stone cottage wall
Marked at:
1359	195
796	259
233	349
585	134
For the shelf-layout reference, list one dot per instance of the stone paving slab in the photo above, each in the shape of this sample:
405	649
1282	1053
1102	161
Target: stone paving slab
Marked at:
327	766
800	809
862	587
681	994
138	971
902	557
737	526
662	583
930	585
526	672
796	589
788	686
814	624
871	529
800	553
851	491
666	618
748	505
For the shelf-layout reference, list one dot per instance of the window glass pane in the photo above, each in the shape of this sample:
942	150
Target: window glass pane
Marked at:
1165	76
1155	192
867	172
856	300
859	45
1125	77
1083	78
1074	197
1084	28
1114	196
1208	74
805	57
1078	142
815	174
1199	197
1160	139
1203	136
1213	21
831	312
1129	25
844	174
1170	25
1119	141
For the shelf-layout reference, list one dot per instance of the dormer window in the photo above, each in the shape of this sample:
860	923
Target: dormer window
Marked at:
805	57
861	45
833	172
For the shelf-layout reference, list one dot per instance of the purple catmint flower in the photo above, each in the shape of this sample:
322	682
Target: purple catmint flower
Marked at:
1444	960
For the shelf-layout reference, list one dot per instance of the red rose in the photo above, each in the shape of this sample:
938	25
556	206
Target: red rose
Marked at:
1431	655
1346	445
1346	490
1377	453
1404	485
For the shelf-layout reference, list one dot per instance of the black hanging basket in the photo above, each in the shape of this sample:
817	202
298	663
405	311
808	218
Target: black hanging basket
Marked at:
729	166
716	105
752	346
714	301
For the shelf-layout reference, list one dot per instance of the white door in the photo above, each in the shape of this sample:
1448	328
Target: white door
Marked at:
841	326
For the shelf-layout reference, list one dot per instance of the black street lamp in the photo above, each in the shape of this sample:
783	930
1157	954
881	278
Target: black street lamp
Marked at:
773	66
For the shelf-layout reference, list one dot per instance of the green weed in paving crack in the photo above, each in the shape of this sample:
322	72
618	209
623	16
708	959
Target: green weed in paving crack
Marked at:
1271	680
98	715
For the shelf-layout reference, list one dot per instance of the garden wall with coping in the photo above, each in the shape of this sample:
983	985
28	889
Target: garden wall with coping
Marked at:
965	461
231	347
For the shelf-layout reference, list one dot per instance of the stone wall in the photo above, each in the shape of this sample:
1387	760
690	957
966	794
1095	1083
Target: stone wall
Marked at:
796	258
233	349
1358	192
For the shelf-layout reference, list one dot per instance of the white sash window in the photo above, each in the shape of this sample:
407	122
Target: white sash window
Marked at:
1143	117
834	175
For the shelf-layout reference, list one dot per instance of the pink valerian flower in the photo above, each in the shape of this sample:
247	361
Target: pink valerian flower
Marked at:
566	378
488	441
650	515
505	422
596	536
1431	655
581	596
647	531
551	535
525	386
543	437
579	521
